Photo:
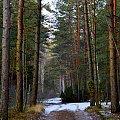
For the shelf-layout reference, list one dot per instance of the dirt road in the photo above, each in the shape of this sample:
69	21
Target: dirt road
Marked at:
68	115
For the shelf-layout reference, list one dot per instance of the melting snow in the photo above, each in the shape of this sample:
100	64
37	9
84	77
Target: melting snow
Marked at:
55	104
52	101
68	106
104	105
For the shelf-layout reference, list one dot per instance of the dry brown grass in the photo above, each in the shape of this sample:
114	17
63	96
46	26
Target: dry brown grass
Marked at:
29	114
92	109
37	108
23	116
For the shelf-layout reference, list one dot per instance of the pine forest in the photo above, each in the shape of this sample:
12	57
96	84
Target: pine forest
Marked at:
69	49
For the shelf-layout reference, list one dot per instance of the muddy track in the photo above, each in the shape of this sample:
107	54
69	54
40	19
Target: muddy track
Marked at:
68	115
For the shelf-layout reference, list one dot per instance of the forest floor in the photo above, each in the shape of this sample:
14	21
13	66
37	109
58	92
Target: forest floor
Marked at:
53	109
79	115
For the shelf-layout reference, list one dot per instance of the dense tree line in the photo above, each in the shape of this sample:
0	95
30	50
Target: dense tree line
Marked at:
87	46
82	57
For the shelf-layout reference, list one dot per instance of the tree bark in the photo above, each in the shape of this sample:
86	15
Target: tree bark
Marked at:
85	67
87	34
19	91
5	60
113	61
36	60
93	27
78	46
71	32
42	67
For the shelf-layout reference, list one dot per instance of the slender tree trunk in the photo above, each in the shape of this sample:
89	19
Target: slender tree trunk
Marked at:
95	67
25	69
60	84
85	68
71	39
87	34
117	41
93	25
118	77
42	67
115	18
5	60
113	61
12	66
36	60
19	92
78	45
27	82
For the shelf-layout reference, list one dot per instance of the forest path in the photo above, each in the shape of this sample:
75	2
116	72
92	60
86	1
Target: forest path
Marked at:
69	115
55	110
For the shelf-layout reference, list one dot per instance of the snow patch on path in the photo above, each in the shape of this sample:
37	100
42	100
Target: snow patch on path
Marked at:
55	104
69	106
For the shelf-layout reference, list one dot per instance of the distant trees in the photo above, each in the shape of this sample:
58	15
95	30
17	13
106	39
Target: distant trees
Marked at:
5	60
73	43
94	75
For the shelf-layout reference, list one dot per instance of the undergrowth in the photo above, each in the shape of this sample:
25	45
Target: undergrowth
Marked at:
104	113
30	113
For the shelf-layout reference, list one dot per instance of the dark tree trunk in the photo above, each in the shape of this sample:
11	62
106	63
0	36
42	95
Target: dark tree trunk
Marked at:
5	60
85	67
78	46
87	34
36	60
93	25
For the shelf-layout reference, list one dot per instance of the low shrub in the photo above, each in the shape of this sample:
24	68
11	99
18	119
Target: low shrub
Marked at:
67	96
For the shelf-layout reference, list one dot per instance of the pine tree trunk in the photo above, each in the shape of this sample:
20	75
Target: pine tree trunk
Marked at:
85	68
5	60
71	39
19	91
87	34
113	62
36	58
26	70
95	68
42	67
93	27
78	45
